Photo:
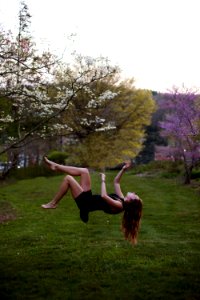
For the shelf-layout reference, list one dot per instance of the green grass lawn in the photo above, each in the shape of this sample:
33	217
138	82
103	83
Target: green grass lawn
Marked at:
51	254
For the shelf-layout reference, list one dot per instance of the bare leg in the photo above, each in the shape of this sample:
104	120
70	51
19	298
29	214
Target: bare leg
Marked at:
74	171
68	183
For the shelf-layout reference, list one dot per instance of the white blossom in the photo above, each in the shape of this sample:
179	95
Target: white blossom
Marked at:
99	120
89	60
107	95
85	121
11	139
109	126
7	119
92	104
59	127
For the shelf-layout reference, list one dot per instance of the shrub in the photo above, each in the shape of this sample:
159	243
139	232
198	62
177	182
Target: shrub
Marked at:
195	174
168	168
30	172
58	156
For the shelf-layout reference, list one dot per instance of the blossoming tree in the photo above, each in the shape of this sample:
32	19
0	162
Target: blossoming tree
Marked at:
181	126
28	103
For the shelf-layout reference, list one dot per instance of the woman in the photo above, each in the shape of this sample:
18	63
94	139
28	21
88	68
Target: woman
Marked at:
116	203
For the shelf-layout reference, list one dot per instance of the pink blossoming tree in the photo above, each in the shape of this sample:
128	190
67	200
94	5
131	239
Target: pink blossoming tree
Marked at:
181	126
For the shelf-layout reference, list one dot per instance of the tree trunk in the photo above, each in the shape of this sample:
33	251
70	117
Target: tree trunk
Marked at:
187	175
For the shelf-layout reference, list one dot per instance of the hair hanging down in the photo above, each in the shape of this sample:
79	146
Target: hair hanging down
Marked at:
131	220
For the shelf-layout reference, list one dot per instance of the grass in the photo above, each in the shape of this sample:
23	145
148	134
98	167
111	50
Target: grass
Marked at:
51	254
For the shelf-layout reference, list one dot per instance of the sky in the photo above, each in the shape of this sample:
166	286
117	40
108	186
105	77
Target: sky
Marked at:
156	42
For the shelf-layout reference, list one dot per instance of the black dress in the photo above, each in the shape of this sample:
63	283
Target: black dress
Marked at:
88	202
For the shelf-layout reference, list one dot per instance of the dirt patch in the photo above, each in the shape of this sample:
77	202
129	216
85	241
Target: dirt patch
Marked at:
7	212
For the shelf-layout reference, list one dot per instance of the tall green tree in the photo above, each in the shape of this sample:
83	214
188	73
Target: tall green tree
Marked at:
152	134
113	130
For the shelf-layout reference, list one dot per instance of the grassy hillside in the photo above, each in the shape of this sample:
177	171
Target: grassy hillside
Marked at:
51	254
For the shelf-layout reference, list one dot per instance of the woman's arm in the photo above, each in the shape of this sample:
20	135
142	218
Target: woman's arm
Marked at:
104	195
117	179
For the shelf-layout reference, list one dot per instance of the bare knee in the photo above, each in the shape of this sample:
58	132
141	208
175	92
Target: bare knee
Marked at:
68	178
85	175
85	171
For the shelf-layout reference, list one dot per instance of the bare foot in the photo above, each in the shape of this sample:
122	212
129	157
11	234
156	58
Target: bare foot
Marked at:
49	205
50	164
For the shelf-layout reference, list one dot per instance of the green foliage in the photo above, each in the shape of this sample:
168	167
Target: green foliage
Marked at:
3	158
58	156
152	134
168	169
128	114
53	255
195	174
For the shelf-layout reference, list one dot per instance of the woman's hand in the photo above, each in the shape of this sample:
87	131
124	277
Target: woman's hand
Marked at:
103	176
127	165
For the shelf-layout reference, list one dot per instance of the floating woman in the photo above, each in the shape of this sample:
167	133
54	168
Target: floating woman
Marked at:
130	205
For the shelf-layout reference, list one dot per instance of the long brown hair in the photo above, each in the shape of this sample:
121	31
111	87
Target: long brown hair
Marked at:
131	220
